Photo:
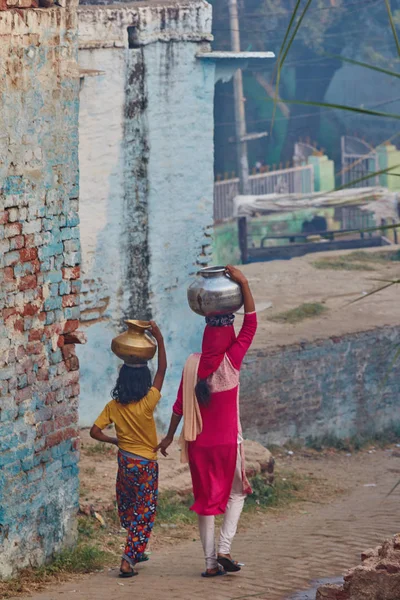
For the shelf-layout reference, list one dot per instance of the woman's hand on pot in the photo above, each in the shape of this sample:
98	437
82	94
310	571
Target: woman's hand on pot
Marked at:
163	445
236	275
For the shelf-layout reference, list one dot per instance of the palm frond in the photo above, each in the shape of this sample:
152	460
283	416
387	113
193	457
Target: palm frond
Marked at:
393	488
362	64
393	26
362	111
380	289
278	63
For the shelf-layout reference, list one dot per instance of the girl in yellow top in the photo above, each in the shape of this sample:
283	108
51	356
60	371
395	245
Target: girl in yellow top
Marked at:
131	411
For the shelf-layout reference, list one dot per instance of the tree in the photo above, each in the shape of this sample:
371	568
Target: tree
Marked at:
354	28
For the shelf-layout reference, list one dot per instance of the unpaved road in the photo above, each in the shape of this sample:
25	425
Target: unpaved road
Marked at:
283	550
289	283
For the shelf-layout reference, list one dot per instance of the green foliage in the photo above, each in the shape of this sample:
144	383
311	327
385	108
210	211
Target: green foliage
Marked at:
174	508
389	435
284	490
357	261
304	311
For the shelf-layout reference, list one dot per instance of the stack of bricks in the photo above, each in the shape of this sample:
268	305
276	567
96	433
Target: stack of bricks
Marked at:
39	293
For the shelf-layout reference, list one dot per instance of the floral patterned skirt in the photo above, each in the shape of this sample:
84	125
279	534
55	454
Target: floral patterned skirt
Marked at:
137	493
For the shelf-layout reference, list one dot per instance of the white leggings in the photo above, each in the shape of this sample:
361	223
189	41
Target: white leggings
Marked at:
230	523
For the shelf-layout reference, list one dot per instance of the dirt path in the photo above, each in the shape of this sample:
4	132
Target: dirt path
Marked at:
283	551
287	284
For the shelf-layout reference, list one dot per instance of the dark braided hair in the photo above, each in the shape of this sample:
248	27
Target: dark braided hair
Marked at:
132	385
203	392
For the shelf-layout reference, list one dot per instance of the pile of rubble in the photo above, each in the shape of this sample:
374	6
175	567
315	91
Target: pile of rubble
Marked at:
377	578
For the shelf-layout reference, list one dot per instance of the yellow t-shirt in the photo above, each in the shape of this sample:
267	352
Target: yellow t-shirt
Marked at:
134	424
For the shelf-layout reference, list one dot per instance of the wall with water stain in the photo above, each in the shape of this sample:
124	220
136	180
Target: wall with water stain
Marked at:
146	152
39	284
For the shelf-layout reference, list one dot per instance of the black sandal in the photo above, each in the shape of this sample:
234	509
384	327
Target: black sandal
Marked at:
228	564
218	573
127	574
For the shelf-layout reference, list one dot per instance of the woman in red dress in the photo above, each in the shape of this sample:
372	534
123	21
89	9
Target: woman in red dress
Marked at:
215	450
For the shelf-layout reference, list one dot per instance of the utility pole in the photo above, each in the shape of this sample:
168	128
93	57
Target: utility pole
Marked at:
240	115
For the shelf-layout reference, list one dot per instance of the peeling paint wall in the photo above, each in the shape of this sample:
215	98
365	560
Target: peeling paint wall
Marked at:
146	153
39	285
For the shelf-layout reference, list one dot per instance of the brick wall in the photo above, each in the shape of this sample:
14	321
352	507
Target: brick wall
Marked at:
39	293
340	386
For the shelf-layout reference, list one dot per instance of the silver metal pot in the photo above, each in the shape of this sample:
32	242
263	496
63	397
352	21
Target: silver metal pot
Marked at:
213	293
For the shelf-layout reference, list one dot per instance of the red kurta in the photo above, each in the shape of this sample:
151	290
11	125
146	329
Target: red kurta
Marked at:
212	456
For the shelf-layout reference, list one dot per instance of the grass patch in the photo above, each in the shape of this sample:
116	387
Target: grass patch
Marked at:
287	488
174	509
389	435
357	261
84	558
304	311
100	448
341	264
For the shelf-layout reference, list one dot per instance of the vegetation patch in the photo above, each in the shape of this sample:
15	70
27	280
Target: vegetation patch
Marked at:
304	311
390	435
357	261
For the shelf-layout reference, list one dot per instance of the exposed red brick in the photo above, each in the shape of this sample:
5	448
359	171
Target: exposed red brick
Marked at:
12	229
76	444
45	428
8	274
28	282
19	325
24	394
76	337
34	348
76	388
8	312
4	213
50	398
27	364
17	242
71	432
30	241
71	273
72	363
70	300
61	341
68	351
71	378
54	438
65	420
28	254
31	377
21	352
30	310
55	329
71	326
42	316
43	374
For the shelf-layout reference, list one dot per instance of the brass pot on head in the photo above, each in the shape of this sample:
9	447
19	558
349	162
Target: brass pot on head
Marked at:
134	346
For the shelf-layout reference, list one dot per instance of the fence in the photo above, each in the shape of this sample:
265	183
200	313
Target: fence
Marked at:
296	180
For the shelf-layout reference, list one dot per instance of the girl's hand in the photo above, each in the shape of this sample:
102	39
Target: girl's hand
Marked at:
163	445
155	331
236	275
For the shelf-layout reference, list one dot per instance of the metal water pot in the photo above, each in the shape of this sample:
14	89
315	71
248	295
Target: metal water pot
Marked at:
213	293
134	346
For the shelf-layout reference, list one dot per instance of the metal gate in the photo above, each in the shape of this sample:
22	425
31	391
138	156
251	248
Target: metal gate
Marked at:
358	160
